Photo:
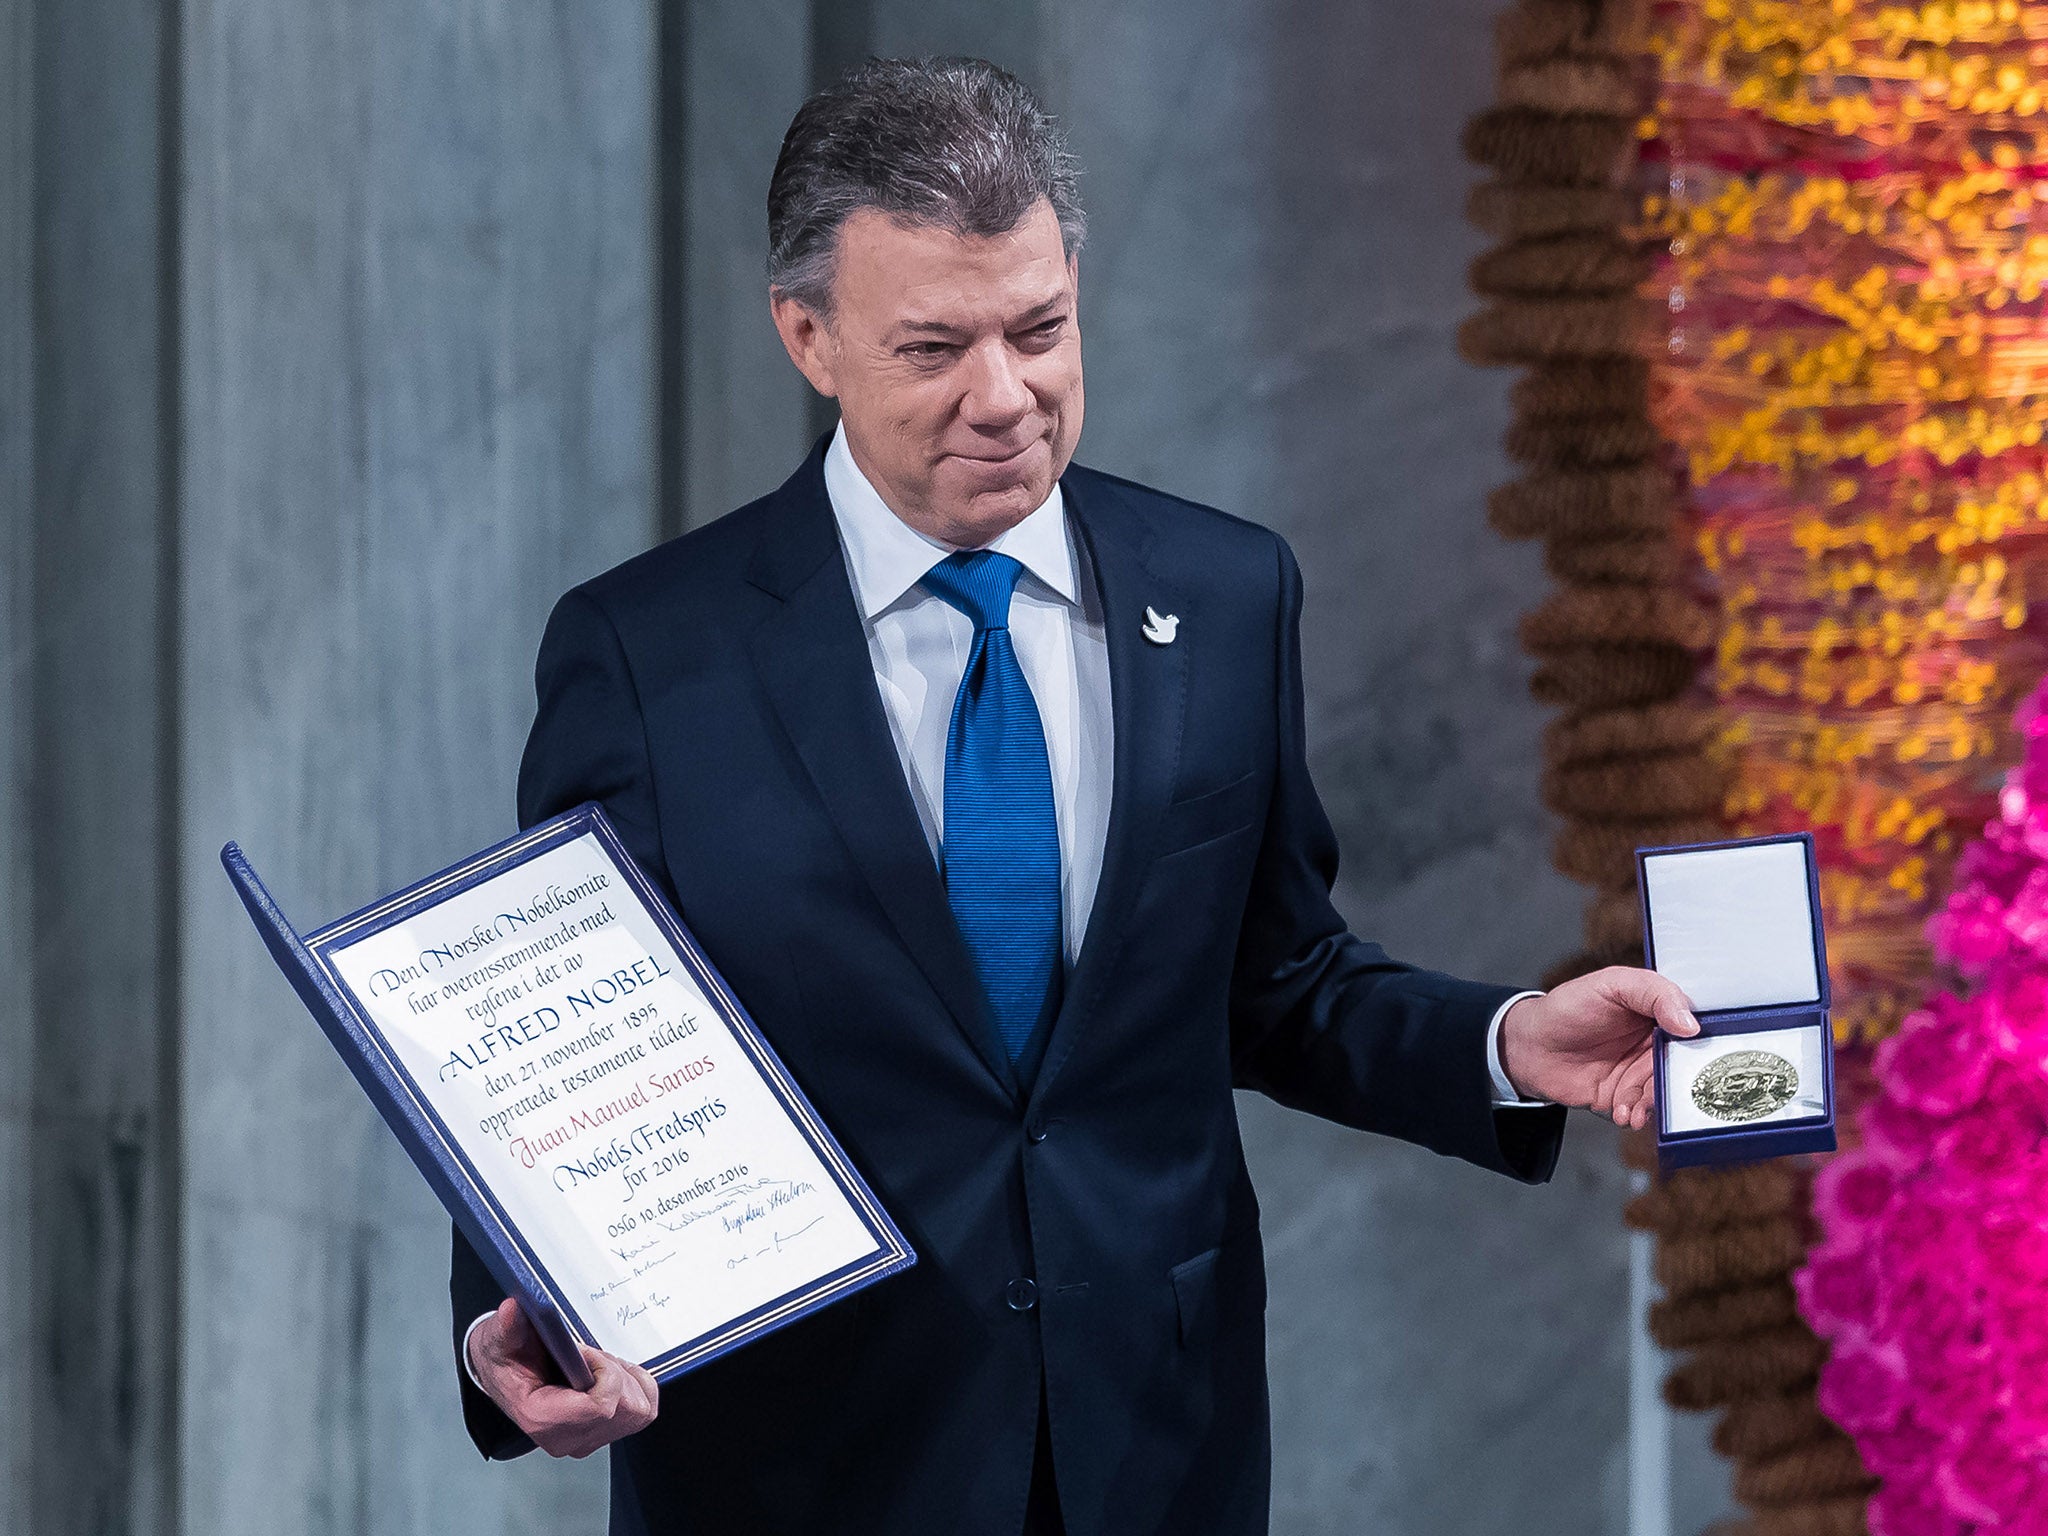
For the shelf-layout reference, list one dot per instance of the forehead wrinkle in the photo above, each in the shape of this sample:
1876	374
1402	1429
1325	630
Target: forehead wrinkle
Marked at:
972	312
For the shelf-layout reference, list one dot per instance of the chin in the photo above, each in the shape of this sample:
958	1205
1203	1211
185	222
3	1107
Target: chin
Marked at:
986	515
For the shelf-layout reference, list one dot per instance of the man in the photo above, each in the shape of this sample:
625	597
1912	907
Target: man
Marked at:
980	776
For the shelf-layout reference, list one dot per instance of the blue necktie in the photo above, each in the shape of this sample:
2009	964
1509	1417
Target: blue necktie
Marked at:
1000	854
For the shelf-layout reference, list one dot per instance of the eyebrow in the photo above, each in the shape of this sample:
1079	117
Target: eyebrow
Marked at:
1042	310
1035	315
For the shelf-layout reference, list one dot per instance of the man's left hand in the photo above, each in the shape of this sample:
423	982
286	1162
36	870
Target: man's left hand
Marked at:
1587	1041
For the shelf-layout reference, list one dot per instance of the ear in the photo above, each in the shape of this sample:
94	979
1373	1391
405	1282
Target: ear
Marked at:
807	339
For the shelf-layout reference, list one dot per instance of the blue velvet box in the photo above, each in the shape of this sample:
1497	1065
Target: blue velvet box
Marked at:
1737	924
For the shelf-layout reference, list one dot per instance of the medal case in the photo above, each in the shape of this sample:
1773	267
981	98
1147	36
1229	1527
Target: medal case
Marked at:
1737	925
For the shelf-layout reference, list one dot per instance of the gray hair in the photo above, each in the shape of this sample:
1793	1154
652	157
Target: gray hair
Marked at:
954	143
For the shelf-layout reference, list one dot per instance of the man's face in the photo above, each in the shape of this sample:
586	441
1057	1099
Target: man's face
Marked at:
956	362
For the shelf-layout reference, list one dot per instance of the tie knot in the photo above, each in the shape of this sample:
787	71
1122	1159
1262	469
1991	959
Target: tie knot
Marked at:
978	582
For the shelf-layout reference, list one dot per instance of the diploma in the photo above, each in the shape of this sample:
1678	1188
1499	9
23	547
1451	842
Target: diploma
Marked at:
589	1100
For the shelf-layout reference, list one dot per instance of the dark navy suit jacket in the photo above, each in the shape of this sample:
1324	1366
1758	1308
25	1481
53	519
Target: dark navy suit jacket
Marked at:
1093	1235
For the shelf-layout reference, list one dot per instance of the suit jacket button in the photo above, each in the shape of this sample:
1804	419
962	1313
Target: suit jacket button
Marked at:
1035	1132
1022	1295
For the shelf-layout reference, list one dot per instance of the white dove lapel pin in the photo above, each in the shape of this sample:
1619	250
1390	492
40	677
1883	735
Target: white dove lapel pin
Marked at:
1160	627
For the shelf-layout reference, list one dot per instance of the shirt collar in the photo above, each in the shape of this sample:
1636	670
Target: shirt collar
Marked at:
888	557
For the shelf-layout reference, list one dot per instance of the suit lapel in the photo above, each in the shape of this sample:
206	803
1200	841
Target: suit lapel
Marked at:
1147	691
812	657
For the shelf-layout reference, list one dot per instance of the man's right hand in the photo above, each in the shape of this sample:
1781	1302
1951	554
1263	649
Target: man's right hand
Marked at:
508	1360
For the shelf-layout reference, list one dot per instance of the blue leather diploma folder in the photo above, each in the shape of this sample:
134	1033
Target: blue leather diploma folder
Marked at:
1737	925
588	1099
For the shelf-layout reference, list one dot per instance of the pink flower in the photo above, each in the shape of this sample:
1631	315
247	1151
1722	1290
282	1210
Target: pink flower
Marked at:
1904	1453
1926	1239
1978	1154
1902	1509
2015	1012
1959	1394
1837	1290
2024	1396
2024	799
1932	1068
1986	1483
1864	1390
1850	1194
2032	1521
1897	1136
2015	1252
1970	930
2026	918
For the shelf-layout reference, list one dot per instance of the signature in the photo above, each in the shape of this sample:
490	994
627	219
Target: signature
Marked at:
638	1270
757	1199
790	1237
775	1242
654	1299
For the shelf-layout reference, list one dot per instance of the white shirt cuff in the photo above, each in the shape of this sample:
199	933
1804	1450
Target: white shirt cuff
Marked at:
1504	1095
468	1369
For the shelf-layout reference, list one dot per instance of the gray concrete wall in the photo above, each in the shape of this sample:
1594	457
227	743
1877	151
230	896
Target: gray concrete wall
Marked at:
417	404
1269	300
343	327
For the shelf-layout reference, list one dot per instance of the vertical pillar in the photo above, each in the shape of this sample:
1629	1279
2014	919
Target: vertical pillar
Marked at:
17	469
418	375
1649	1417
746	411
102	1169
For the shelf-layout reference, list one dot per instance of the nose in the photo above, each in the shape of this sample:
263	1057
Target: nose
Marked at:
997	397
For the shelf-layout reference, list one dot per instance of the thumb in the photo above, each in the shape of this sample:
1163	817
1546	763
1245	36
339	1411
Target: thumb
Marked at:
1658	997
517	1333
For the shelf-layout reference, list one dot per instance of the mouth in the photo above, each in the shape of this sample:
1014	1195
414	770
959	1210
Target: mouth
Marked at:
987	462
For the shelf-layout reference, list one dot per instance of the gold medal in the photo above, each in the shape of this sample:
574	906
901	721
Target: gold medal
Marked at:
1745	1085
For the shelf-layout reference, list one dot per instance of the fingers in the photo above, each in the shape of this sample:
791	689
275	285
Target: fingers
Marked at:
1658	997
623	1397
1602	1101
1622	1093
608	1381
1634	1093
637	1392
650	1389
1643	1107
